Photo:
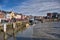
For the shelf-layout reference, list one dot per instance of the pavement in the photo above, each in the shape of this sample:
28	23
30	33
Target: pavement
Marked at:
41	31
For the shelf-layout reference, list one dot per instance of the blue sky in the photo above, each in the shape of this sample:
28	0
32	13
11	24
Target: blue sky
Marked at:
7	4
31	7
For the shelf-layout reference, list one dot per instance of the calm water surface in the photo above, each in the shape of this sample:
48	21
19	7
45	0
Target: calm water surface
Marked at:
40	31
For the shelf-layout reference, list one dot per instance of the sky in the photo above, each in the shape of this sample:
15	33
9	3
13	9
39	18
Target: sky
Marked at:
31	7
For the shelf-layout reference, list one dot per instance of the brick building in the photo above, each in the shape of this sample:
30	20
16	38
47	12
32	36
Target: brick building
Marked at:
2	15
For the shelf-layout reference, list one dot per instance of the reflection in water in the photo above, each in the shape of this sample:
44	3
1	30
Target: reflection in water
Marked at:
41	31
56	27
55	34
23	38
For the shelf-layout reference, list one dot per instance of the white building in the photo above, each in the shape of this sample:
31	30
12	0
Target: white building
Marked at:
18	16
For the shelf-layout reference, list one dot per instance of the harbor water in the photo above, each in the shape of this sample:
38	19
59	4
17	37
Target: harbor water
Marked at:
40	31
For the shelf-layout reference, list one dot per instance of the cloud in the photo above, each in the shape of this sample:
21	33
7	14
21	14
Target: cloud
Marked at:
38	7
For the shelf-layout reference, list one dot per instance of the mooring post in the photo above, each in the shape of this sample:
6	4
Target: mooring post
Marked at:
5	36
14	33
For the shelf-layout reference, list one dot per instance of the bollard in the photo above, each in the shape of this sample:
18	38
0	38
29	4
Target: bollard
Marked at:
14	25
5	36
14	33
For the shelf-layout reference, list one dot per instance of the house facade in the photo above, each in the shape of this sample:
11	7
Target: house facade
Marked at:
2	15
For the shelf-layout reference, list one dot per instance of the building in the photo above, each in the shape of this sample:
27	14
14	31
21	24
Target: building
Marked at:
55	15
58	16
52	15
2	15
12	15
18	16
49	15
8	15
23	17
